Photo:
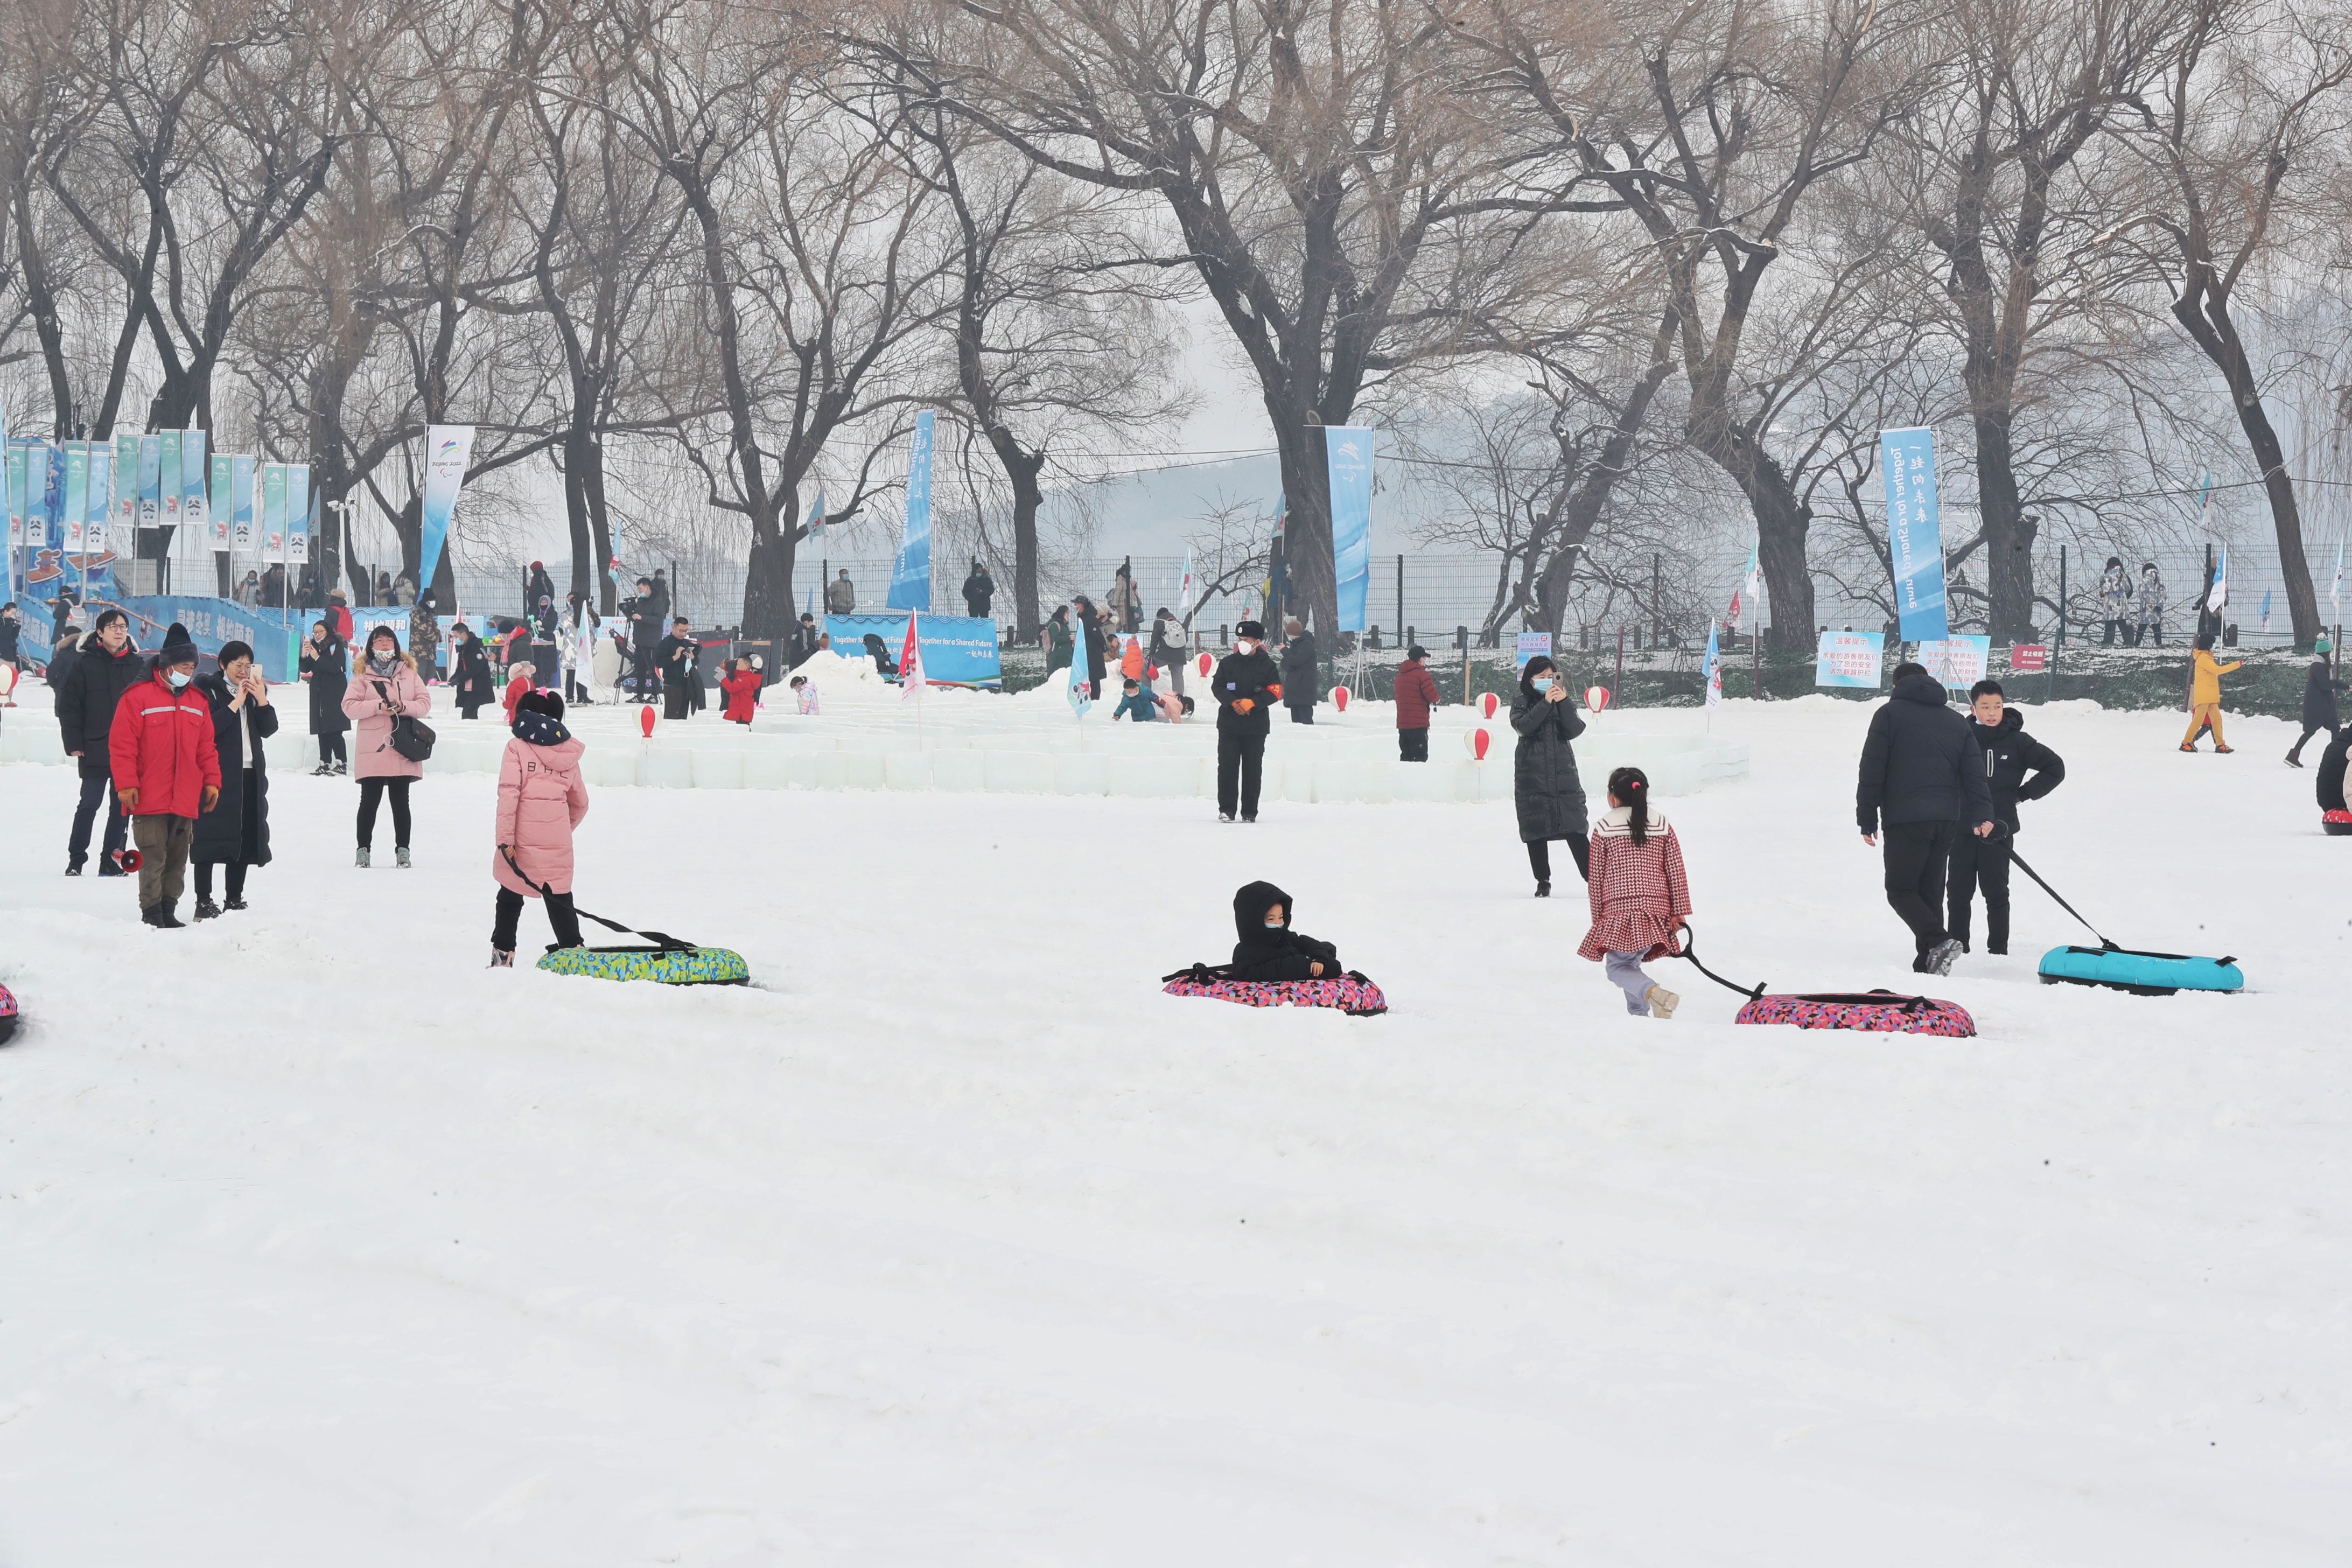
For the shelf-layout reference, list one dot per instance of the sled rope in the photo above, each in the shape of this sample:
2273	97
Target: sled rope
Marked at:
1690	951
2018	861
667	942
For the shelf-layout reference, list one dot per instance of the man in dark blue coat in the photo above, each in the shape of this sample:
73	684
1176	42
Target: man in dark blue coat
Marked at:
1923	778
110	665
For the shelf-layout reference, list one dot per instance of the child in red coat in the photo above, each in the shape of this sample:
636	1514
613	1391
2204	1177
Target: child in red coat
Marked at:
742	685
1640	896
525	679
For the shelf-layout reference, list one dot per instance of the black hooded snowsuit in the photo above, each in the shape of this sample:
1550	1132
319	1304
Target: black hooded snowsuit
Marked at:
1272	953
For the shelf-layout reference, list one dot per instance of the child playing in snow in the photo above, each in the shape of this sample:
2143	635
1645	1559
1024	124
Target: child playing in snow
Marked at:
541	798
524	679
1268	948
803	695
741	684
1136	706
1640	897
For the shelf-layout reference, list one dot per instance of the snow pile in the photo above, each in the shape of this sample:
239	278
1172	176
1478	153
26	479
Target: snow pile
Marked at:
959	1242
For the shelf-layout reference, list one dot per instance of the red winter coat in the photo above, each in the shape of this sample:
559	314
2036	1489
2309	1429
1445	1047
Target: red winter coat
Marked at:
742	689
1416	694
162	746
1639	894
515	690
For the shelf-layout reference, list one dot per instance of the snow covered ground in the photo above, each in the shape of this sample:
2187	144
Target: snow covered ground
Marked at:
957	1243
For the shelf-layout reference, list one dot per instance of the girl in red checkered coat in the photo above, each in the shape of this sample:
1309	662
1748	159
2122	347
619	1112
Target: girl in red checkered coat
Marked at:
1640	896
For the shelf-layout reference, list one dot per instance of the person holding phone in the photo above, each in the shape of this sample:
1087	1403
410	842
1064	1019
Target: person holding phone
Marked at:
1545	787
384	687
233	831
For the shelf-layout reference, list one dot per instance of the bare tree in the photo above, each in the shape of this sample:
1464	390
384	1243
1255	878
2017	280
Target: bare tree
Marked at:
2246	127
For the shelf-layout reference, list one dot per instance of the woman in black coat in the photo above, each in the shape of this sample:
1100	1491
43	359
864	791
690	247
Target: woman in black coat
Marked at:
235	831
2319	689
327	666
469	671
1091	621
1544	783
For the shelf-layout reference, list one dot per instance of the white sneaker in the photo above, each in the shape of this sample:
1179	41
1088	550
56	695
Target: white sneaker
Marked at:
362	861
1941	956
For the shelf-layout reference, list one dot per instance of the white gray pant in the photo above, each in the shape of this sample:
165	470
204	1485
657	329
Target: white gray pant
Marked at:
1624	972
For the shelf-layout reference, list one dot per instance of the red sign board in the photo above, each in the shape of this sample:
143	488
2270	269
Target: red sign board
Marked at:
2029	659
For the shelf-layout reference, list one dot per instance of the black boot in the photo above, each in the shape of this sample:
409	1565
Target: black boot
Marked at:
165	919
73	866
207	910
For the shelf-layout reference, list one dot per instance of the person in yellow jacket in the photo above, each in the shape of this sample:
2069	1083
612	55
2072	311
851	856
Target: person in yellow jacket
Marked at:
2205	696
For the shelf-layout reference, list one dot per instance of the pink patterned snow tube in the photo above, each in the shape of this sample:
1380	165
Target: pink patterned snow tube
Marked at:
1352	994
1881	1011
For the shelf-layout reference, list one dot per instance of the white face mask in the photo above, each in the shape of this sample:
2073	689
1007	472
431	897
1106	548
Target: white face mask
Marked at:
1541	683
1274	925
178	678
1243	646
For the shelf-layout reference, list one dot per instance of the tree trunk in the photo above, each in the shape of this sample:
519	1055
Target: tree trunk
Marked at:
768	586
1022	468
1782	520
2216	332
1312	575
2009	533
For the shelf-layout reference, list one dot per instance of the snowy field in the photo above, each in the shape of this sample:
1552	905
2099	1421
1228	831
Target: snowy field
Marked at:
955	1241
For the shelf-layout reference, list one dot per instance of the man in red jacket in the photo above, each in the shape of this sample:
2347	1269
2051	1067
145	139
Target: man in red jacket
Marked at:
1416	694
167	772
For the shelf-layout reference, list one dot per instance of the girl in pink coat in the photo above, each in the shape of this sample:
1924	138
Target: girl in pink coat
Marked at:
541	798
384	687
1640	895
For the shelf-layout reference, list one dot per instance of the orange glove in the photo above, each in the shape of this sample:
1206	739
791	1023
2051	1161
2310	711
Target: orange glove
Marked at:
1275	691
1243	705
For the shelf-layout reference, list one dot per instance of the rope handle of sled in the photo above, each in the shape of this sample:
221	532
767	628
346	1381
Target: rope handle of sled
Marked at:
667	942
1690	951
2018	861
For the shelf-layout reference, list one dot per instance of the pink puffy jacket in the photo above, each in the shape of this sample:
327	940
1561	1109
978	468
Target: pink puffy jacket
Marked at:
541	798
372	753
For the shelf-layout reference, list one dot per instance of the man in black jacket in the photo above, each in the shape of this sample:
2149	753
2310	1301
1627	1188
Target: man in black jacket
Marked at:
1244	683
1924	776
1301	676
2017	767
802	646
979	591
681	679
108	667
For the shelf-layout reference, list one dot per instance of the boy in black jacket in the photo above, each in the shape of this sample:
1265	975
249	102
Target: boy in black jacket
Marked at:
2017	767
1268	948
1246	681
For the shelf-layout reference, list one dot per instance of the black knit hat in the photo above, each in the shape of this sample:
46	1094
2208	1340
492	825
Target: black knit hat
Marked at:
178	649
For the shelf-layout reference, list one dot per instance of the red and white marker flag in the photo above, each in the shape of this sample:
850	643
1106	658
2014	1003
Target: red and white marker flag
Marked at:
910	661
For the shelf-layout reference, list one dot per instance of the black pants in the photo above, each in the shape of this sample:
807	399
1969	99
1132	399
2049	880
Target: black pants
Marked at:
1240	761
235	879
331	749
1412	745
2294	753
644	675
1916	855
674	701
1301	713
1578	845
1979	863
96	789
2113	627
466	710
372	791
560	915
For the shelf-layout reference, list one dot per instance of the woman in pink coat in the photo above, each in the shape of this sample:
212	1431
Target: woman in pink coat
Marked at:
384	687
541	798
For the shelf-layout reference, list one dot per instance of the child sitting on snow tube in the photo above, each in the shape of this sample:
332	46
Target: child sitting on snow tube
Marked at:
541	798
1268	948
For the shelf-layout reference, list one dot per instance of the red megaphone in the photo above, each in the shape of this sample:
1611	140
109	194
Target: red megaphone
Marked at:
127	861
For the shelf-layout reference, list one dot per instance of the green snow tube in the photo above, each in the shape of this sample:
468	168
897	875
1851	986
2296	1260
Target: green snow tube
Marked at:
681	966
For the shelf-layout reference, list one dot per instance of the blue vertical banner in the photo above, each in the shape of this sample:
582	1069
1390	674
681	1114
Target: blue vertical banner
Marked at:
240	501
76	495
273	511
98	560
217	505
910	577
151	481
1915	533
1348	458
123	518
172	485
298	515
1714	667
447	449
193	511
10	518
